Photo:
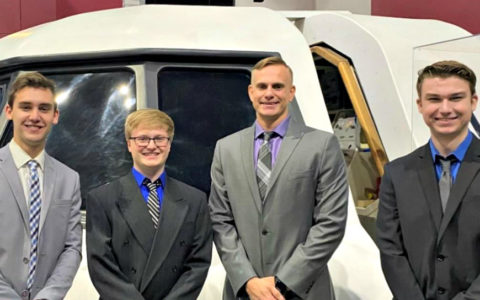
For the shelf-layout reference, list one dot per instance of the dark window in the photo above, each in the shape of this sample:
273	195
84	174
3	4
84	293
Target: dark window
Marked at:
89	136
206	105
3	93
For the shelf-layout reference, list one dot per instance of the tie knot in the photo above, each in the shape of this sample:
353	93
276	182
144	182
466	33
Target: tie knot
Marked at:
267	135
32	165
446	162
152	185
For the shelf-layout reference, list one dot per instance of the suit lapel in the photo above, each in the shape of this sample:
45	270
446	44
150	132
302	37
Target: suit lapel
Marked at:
135	212
174	210
467	172
289	142
10	172
49	178
247	149
429	184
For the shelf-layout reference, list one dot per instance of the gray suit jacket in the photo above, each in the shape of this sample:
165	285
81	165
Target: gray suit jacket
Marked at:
426	254
301	223
129	259
60	237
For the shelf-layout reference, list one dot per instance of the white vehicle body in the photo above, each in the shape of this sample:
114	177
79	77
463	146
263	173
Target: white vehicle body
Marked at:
380	48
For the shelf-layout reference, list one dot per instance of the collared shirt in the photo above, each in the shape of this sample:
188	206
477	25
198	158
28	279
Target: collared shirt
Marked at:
21	159
274	142
459	153
144	189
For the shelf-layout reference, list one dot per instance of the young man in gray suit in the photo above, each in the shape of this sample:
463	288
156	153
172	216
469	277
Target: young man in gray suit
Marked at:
278	201
148	235
41	234
428	220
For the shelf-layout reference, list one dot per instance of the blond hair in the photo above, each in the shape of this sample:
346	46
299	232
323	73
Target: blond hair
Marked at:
151	118
272	61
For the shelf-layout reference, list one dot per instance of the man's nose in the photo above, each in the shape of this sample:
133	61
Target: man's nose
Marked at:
269	92
151	144
34	114
445	106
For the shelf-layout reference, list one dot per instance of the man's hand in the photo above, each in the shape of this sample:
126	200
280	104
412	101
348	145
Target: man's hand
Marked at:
263	289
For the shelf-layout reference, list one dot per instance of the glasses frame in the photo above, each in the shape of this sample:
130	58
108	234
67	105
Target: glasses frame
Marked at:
159	141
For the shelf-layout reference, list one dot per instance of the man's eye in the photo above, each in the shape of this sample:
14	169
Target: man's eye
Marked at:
277	86
143	138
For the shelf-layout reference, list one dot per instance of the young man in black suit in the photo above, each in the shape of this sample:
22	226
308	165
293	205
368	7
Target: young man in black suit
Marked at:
148	235
428	219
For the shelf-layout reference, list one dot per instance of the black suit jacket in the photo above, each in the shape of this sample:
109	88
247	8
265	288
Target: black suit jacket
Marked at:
129	259
427	254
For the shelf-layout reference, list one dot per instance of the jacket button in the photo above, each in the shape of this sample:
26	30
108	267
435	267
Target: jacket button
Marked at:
126	242
182	243
264	232
174	269
441	291
440	258
133	270
25	260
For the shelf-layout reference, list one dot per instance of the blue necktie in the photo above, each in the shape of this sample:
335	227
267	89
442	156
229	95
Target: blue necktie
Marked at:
34	220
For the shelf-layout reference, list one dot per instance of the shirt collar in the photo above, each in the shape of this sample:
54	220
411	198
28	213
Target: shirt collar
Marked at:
280	130
459	153
21	158
139	177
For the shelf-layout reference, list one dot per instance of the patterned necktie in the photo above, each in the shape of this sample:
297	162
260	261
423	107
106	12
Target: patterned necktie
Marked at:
35	206
445	182
264	164
152	200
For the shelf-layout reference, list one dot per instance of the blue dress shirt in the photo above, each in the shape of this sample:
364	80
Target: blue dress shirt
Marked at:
144	189
459	153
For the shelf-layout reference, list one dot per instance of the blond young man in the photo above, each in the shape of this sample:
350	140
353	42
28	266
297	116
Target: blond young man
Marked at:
148	235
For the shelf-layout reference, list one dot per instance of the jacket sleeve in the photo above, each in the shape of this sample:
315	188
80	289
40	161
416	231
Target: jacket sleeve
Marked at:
228	244
110	282
395	265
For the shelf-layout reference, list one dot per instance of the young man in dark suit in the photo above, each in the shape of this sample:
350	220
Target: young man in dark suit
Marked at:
428	220
148	235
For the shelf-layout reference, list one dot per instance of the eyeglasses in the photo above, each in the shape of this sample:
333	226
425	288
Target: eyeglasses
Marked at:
143	141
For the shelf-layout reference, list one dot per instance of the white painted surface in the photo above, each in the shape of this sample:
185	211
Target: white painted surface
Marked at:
381	49
355	267
279	4
465	50
362	7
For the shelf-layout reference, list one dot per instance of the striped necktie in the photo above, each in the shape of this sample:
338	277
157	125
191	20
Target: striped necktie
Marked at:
264	164
152	200
34	220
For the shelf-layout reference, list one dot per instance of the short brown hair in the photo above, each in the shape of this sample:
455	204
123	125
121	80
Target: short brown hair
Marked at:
272	61
152	118
30	79
444	69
